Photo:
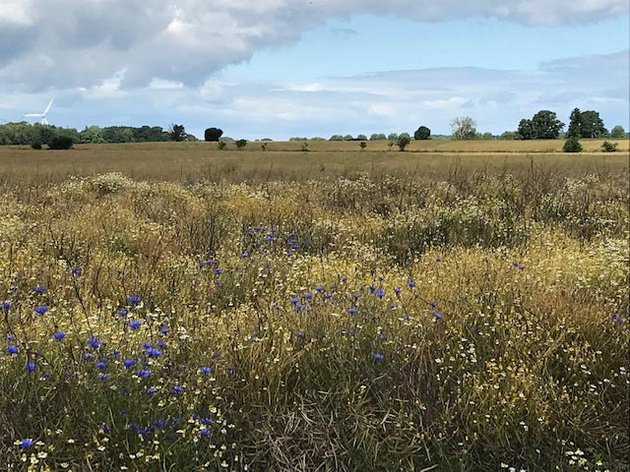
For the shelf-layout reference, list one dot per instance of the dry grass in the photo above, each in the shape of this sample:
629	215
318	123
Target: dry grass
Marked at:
282	161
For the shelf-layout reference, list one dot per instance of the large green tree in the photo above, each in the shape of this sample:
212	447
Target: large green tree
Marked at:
618	132
464	127
591	125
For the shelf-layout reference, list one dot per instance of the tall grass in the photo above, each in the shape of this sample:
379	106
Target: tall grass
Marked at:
477	321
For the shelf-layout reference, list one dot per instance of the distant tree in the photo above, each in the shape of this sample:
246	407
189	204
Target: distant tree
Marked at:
546	125
336	137
422	133
607	146
526	130
392	137
403	141
510	136
363	145
348	137
36	145
213	134
487	136
464	127
92	134
221	145
575	124
241	143
378	137
591	125
178	132
572	144
618	132
61	142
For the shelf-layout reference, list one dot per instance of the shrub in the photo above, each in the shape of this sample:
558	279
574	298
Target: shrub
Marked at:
403	141
422	133
36	145
607	146
61	142
241	143
363	144
213	134
305	147
572	144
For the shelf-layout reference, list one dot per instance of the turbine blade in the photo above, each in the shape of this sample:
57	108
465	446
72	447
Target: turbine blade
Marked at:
48	107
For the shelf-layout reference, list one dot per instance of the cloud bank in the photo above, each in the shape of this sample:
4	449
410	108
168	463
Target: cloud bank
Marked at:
64	43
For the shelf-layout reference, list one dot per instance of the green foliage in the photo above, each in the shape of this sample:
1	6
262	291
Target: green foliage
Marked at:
544	125
392	137
36	145
403	141
572	144
336	137
363	145
378	137
510	136
618	132
361	137
575	123
586	124
213	134
422	133
61	142
463	127
607	146
178	132
241	143
348	137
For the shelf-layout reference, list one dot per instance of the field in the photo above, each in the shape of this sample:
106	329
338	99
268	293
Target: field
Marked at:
452	308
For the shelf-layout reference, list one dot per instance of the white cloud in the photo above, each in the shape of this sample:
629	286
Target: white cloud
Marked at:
187	41
163	84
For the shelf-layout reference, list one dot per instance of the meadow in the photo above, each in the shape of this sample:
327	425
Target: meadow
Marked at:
177	307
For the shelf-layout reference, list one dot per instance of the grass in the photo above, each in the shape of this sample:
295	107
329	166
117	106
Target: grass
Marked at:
392	312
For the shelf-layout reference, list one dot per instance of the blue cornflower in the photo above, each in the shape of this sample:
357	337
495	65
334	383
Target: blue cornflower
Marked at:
437	315
12	349
177	389
144	373
204	432
372	288
88	356
77	271
41	309
205	370
31	366
129	363
352	310
300	335
411	284
434	304
518	265
397	291
161	344
135	324
103	376
6	305
151	391
381	336
134	299
299	308
319	288
94	342
378	357
380	293
245	254
164	329
617	318
122	312
229	370
59	335
40	289
26	443
160	423
115	354
295	300
308	296
153	352
101	364
218	271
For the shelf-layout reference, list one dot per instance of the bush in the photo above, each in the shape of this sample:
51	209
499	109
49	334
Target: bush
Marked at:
403	141
36	145
422	133
241	143
213	134
572	144
221	145
363	144
305	147
607	146
61	142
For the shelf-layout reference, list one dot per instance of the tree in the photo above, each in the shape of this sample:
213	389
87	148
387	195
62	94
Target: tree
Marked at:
378	137
361	137
591	125
92	134
487	136
546	125
392	137
510	135
403	141
336	137
213	134
464	127
422	133
618	132
61	142
572	144
178	132
348	137
526	129
575	124
241	143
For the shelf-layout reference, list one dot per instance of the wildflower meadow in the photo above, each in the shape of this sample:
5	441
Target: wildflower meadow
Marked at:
474	322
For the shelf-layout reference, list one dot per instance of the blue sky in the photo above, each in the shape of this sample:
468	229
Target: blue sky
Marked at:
281	68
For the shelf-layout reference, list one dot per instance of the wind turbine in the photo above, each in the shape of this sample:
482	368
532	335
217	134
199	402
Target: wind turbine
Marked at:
41	116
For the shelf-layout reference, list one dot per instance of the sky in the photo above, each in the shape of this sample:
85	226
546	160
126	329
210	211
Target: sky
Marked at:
282	68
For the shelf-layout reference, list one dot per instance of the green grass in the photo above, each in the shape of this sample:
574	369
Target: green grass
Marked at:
394	311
